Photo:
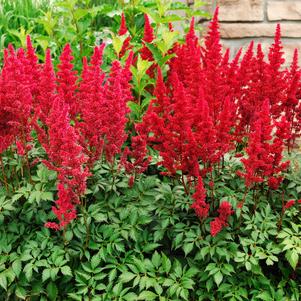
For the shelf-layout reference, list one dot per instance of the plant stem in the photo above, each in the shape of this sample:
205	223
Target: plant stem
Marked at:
184	185
84	212
3	173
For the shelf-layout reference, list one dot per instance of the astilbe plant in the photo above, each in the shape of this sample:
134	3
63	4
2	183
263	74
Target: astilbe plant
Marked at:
65	156
76	121
210	105
207	107
264	151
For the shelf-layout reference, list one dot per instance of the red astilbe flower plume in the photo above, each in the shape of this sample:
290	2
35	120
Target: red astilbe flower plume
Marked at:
200	206
254	93
32	68
115	98
91	107
66	79
288	205
258	148
282	135
231	77
148	30
264	153
244	78
290	105
65	156
187	64
148	37
15	100
223	127
168	119
205	136
276	85
123	31
225	211
135	158
214	84
46	89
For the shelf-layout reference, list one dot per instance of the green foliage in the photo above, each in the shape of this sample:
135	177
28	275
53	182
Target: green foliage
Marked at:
144	243
82	23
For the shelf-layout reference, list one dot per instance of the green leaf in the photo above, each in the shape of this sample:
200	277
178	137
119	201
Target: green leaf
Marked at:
21	292
130	297
52	291
292	257
66	270
28	271
17	267
188	248
3	280
117	42
265	296
95	261
126	276
147	295
218	278
156	259
166	264
80	13
45	275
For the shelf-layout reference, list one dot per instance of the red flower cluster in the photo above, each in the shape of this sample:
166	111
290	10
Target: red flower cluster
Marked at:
207	106
65	156
33	96
221	221
200	206
288	205
264	151
16	99
134	158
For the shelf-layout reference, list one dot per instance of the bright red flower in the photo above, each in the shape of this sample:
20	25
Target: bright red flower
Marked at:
216	226
200	206
225	211
66	79
65	156
288	204
122	31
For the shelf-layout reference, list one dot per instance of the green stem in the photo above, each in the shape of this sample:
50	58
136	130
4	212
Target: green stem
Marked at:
84	212
3	173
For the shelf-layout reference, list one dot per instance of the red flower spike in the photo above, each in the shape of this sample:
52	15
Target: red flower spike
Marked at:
213	69
264	152
145	53
288	205
115	93
33	69
135	159
15	99
66	79
65	156
290	106
91	107
215	227
148	30
122	29
200	206
225	211
46	88
276	85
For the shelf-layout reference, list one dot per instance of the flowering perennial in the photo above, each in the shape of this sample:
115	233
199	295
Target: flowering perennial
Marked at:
206	107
